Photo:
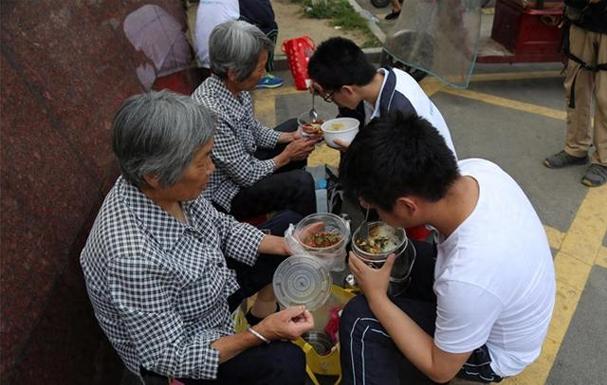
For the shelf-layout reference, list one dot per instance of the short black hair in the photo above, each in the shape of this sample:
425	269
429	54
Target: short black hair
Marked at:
398	155
339	62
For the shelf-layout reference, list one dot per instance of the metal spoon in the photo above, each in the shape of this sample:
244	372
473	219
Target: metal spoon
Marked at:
313	115
363	231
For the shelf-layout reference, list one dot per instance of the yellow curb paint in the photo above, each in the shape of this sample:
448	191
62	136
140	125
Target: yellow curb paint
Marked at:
567	298
555	237
537	373
571	271
507	103
515	76
601	259
431	85
589	226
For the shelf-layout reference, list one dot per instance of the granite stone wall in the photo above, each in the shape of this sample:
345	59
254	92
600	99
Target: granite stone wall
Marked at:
65	68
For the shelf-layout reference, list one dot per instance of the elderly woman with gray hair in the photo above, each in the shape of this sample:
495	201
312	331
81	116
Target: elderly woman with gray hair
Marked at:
158	261
259	170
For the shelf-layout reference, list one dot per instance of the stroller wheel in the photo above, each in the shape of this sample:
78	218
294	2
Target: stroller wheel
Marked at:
380	3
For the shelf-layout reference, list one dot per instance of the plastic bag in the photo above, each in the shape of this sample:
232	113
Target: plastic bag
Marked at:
298	51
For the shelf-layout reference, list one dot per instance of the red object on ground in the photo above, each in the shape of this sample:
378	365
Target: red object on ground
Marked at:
531	34
332	326
419	233
298	51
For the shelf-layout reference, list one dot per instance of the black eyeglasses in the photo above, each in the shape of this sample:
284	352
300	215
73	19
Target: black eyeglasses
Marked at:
328	97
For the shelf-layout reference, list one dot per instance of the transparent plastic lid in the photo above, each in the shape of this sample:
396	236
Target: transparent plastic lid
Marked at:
302	280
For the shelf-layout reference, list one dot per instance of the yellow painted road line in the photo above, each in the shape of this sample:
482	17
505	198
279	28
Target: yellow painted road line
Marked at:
515	76
585	236
555	237
601	259
580	249
508	103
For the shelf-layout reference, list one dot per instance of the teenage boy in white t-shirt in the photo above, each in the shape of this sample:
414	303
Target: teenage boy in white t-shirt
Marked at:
493	277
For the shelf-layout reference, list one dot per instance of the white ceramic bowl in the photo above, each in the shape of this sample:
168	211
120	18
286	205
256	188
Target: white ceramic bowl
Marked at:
344	129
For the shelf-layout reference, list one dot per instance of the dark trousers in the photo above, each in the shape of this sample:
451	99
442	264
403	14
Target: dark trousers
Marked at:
368	354
277	363
261	14
251	279
288	188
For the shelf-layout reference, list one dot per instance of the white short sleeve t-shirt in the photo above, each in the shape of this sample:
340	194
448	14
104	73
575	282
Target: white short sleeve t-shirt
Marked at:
209	14
494	276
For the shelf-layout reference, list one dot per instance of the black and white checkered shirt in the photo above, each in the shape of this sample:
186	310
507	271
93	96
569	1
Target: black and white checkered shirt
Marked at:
159	287
237	137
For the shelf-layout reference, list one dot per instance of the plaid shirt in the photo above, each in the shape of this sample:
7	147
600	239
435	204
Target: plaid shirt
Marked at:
236	140
159	287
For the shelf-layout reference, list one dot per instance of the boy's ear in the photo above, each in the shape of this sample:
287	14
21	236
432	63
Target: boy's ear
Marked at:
406	205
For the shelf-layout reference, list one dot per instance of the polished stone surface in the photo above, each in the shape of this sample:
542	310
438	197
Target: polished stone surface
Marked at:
65	68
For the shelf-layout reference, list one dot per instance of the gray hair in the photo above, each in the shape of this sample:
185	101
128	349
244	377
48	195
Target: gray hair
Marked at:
236	45
158	133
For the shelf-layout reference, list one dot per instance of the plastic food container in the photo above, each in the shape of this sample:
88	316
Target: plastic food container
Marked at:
308	231
304	119
403	249
302	280
344	129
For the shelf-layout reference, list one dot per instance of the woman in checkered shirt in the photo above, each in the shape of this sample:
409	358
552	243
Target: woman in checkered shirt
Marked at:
258	169
164	270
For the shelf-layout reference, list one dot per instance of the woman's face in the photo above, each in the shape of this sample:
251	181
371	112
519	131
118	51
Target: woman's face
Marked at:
250	83
195	177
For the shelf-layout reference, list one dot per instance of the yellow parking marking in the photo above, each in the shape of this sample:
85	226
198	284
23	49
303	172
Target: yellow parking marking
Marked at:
580	249
515	76
555	237
586	233
507	103
431	85
601	259
571	271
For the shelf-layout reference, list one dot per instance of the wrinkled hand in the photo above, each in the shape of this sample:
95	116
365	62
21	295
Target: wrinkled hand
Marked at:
287	324
299	149
373	282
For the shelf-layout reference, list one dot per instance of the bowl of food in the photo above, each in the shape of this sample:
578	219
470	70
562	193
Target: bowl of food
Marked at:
308	127
325	236
382	241
344	129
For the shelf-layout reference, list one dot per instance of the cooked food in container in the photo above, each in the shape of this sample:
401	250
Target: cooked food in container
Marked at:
382	239
323	239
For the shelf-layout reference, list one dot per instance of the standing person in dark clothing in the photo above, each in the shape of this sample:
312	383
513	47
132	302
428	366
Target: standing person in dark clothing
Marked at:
261	14
586	79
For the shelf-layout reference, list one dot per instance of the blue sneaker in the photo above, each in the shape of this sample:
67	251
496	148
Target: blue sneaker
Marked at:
270	81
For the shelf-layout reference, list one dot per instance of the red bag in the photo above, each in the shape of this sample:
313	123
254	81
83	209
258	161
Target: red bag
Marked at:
298	51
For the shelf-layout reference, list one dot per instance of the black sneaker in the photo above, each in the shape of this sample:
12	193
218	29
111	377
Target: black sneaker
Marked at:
595	176
562	159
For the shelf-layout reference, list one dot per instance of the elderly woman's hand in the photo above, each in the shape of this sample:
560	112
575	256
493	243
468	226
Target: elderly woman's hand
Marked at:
298	149
287	324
